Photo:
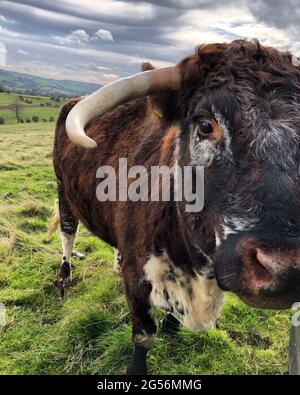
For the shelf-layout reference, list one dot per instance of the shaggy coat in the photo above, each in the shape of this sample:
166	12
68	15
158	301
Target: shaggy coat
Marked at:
252	207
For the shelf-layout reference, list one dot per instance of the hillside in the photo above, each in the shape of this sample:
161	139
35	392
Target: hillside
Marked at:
21	108
30	84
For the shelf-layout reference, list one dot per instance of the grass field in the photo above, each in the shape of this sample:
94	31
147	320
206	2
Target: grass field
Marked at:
90	332
41	106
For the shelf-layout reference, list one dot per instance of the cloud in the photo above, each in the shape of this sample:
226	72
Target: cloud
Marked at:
282	16
227	25
104	35
66	34
111	11
275	13
78	36
109	78
6	20
8	32
95	67
3	52
187	4
21	52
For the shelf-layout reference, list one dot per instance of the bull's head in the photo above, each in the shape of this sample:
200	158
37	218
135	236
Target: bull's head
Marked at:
237	107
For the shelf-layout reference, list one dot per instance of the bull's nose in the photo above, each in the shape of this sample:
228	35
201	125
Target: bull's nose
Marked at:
271	263
263	272
261	269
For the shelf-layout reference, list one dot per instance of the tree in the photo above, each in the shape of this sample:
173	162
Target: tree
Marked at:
17	109
2	89
2	121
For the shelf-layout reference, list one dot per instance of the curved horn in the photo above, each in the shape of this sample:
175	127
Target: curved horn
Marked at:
110	96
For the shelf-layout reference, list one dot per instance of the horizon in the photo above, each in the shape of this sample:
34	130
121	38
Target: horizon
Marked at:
48	78
98	42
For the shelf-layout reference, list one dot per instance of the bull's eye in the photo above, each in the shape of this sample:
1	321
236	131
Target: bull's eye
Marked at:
205	127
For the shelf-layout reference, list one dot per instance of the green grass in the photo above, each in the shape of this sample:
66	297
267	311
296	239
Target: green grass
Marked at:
90	332
41	106
10	98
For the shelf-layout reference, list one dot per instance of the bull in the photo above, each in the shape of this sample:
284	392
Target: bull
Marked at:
232	108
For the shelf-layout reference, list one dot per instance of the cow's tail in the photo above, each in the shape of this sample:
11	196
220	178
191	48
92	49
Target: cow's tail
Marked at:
55	220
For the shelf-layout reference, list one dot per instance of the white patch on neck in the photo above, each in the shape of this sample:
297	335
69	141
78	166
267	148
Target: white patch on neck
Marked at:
235	225
194	300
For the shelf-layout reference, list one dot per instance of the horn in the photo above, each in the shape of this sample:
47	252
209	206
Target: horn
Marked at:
118	92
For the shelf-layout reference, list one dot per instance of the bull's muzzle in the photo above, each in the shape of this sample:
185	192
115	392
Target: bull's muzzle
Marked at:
262	275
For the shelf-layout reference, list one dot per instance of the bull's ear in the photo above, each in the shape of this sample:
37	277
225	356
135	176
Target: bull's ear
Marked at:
162	104
146	66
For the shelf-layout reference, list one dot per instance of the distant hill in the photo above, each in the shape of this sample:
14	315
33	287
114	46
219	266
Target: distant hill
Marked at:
30	84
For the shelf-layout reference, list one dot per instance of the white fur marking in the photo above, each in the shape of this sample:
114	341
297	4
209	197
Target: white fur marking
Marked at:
202	152
67	245
234	225
224	126
194	301
218	239
117	267
144	339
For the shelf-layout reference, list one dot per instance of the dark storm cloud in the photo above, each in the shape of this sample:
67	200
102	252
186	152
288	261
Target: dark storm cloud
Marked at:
44	24
146	41
95	14
187	4
162	31
283	14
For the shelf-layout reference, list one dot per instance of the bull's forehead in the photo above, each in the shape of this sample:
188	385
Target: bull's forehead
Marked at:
270	123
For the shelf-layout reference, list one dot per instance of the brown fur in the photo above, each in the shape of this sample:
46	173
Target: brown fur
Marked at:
132	130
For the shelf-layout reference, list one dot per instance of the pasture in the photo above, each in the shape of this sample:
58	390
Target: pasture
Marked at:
44	108
90	332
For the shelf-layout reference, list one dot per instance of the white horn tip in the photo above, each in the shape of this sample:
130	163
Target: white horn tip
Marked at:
86	142
76	132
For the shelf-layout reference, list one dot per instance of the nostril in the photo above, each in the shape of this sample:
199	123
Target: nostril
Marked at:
259	273
268	262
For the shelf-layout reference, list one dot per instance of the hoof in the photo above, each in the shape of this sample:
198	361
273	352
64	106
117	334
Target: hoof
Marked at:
135	371
64	285
64	279
137	364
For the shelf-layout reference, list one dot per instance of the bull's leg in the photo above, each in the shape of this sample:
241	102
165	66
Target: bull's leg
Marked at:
68	226
143	321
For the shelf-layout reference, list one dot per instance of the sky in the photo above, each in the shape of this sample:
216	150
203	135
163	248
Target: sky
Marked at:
102	40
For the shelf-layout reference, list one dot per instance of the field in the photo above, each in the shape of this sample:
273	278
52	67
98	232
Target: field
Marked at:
90	332
43	107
